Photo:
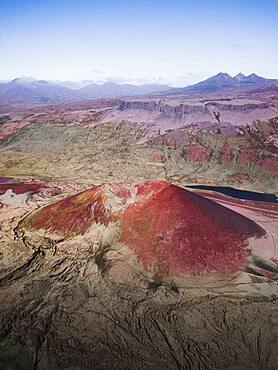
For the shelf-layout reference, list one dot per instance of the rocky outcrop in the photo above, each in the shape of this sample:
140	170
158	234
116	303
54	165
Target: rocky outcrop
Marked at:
10	198
177	111
226	154
171	111
243	151
270	164
242	107
176	138
247	157
199	153
158	158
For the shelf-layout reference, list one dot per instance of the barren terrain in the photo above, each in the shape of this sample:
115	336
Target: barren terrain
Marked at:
73	299
108	260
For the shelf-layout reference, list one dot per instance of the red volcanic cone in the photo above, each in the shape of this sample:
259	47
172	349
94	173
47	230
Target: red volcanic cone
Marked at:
73	215
176	231
170	229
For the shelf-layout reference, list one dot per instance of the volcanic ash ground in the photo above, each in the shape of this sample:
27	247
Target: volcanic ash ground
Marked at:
135	275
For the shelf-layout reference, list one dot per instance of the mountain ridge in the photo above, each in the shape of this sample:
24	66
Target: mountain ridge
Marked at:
27	90
223	81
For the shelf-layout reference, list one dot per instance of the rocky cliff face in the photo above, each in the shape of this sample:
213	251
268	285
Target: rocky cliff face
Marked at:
179	109
181	112
172	111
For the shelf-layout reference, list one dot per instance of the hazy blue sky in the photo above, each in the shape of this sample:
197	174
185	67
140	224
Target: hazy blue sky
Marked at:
174	41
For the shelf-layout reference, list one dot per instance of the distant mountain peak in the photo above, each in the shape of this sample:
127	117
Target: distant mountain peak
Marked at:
254	75
223	81
219	78
254	78
222	75
24	79
239	76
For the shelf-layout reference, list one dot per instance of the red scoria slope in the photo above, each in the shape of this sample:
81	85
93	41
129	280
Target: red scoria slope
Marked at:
176	230
170	229
73	215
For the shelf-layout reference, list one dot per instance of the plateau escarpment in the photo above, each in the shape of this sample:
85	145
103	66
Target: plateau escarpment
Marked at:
166	113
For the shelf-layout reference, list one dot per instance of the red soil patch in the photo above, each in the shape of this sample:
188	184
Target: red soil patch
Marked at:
226	153
199	153
73	215
270	164
21	188
158	158
239	177
178	231
150	187
122	190
176	137
247	156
